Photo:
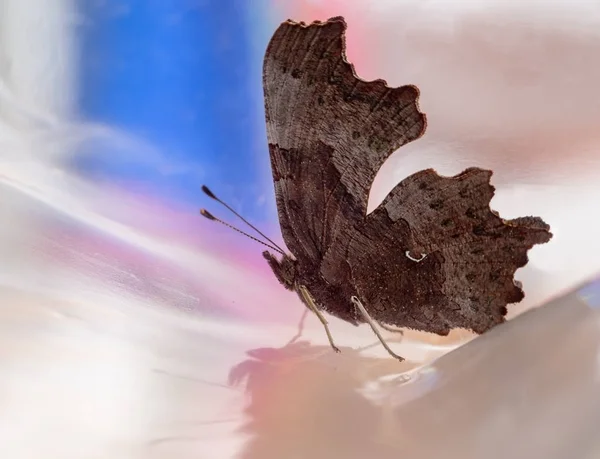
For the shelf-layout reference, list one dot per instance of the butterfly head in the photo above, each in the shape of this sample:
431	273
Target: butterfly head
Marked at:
285	270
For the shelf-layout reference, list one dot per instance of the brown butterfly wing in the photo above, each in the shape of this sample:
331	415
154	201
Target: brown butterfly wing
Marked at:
329	132
467	277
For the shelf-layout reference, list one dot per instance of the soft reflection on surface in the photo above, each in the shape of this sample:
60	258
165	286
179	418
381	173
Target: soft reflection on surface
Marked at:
91	381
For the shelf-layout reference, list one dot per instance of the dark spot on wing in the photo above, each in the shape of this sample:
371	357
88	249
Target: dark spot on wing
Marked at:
436	205
471	213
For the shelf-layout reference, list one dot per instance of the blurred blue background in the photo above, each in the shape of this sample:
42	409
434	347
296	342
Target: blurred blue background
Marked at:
185	77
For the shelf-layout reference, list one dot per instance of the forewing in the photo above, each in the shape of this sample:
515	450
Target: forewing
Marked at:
329	132
471	254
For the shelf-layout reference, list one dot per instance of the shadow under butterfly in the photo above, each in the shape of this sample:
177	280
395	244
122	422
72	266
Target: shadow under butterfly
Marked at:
432	256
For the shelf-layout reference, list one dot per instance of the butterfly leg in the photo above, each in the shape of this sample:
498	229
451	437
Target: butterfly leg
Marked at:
300	328
313	307
391	329
371	323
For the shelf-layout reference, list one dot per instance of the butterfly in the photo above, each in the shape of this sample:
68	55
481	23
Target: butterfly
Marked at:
432	256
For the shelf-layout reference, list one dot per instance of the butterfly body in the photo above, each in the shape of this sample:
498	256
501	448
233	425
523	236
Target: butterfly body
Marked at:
432	256
332	297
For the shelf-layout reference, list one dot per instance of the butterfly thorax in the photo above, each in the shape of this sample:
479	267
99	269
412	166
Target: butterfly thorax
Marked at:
285	270
292	274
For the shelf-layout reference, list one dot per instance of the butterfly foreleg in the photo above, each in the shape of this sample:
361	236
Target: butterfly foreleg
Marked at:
371	323
313	307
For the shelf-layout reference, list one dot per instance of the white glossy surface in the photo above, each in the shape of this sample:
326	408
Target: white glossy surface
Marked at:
100	380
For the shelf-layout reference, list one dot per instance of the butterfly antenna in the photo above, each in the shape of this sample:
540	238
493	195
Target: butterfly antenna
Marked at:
207	214
210	194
